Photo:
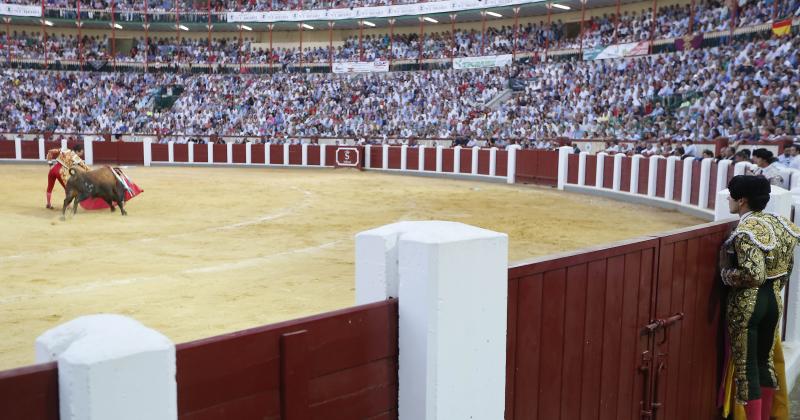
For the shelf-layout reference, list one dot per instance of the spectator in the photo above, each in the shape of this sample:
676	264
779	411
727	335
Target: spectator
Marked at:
768	166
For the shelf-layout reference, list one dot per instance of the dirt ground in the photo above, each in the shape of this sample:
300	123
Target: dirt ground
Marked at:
205	251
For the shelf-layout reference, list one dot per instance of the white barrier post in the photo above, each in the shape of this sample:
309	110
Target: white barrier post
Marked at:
439	157
171	151
511	172
64	144
723	166
18	149
111	367
448	275
88	151
563	166
600	169
652	175
229	152
286	154
616	184
635	161
669	183
385	157
404	157
493	161
780	203
475	151
457	160
148	151
248	153
705	182
582	168
740	168
322	148
686	182
42	152
421	158
792	313
367	156
210	148
304	154
267	154
190	146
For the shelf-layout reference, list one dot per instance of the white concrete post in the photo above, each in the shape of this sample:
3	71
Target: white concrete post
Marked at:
582	168
404	157
792	313
267	154
686	182
421	158
210	148
229	152
652	175
111	367
88	151
148	151
190	146
600	169
322	148
18	149
367	156
635	160
452	282
64	144
669	183
780	203
705	182
171	152
493	161
42	152
563	166
285	154
457	160
385	157
475	151
439	157
304	154
616	184
722	175
511	172
248	153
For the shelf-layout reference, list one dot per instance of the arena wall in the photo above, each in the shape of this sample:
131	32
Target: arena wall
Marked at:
651	326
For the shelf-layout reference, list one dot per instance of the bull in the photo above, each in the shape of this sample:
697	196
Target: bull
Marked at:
98	183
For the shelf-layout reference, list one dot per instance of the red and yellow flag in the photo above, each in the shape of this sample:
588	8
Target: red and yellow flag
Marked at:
782	27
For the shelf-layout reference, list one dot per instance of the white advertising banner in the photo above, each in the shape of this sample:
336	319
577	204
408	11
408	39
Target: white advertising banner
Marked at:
415	9
20	10
361	67
482	62
624	50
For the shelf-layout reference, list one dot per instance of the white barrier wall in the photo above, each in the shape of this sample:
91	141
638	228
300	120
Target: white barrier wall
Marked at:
452	282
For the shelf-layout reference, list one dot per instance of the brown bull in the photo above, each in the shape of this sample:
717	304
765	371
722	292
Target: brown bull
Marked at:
99	183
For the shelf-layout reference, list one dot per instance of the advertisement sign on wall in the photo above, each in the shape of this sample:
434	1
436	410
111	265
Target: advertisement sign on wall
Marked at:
20	10
361	67
482	62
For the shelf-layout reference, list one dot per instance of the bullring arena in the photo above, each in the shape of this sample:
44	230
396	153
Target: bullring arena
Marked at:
400	209
206	251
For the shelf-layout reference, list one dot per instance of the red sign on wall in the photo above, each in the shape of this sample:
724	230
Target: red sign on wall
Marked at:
348	157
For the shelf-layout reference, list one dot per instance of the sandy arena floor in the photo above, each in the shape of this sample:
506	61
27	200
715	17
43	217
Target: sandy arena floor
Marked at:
211	250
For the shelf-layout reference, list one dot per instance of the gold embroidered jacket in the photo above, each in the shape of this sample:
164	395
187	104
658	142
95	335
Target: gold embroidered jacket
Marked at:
762	246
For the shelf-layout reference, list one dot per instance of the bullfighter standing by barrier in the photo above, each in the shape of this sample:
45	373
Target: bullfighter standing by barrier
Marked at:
755	262
64	161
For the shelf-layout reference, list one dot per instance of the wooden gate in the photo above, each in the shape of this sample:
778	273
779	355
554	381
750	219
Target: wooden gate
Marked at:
617	332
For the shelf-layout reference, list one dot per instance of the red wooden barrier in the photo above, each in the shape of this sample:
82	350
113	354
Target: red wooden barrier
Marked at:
30	393
430	159
501	165
200	153
220	153
160	152
30	149
608	172
661	177
275	154
591	170
678	187
537	166
239	152
466	161
695	196
712	186
7	150
376	157
295	154
644	176
625	181
257	154
105	152
330	155
448	160
180	152
313	155
483	162
412	159
572	169
395	153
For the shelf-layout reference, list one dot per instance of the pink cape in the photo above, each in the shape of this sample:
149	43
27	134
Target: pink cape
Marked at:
100	204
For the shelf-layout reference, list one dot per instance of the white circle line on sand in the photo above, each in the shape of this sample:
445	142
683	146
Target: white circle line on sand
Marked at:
229	266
